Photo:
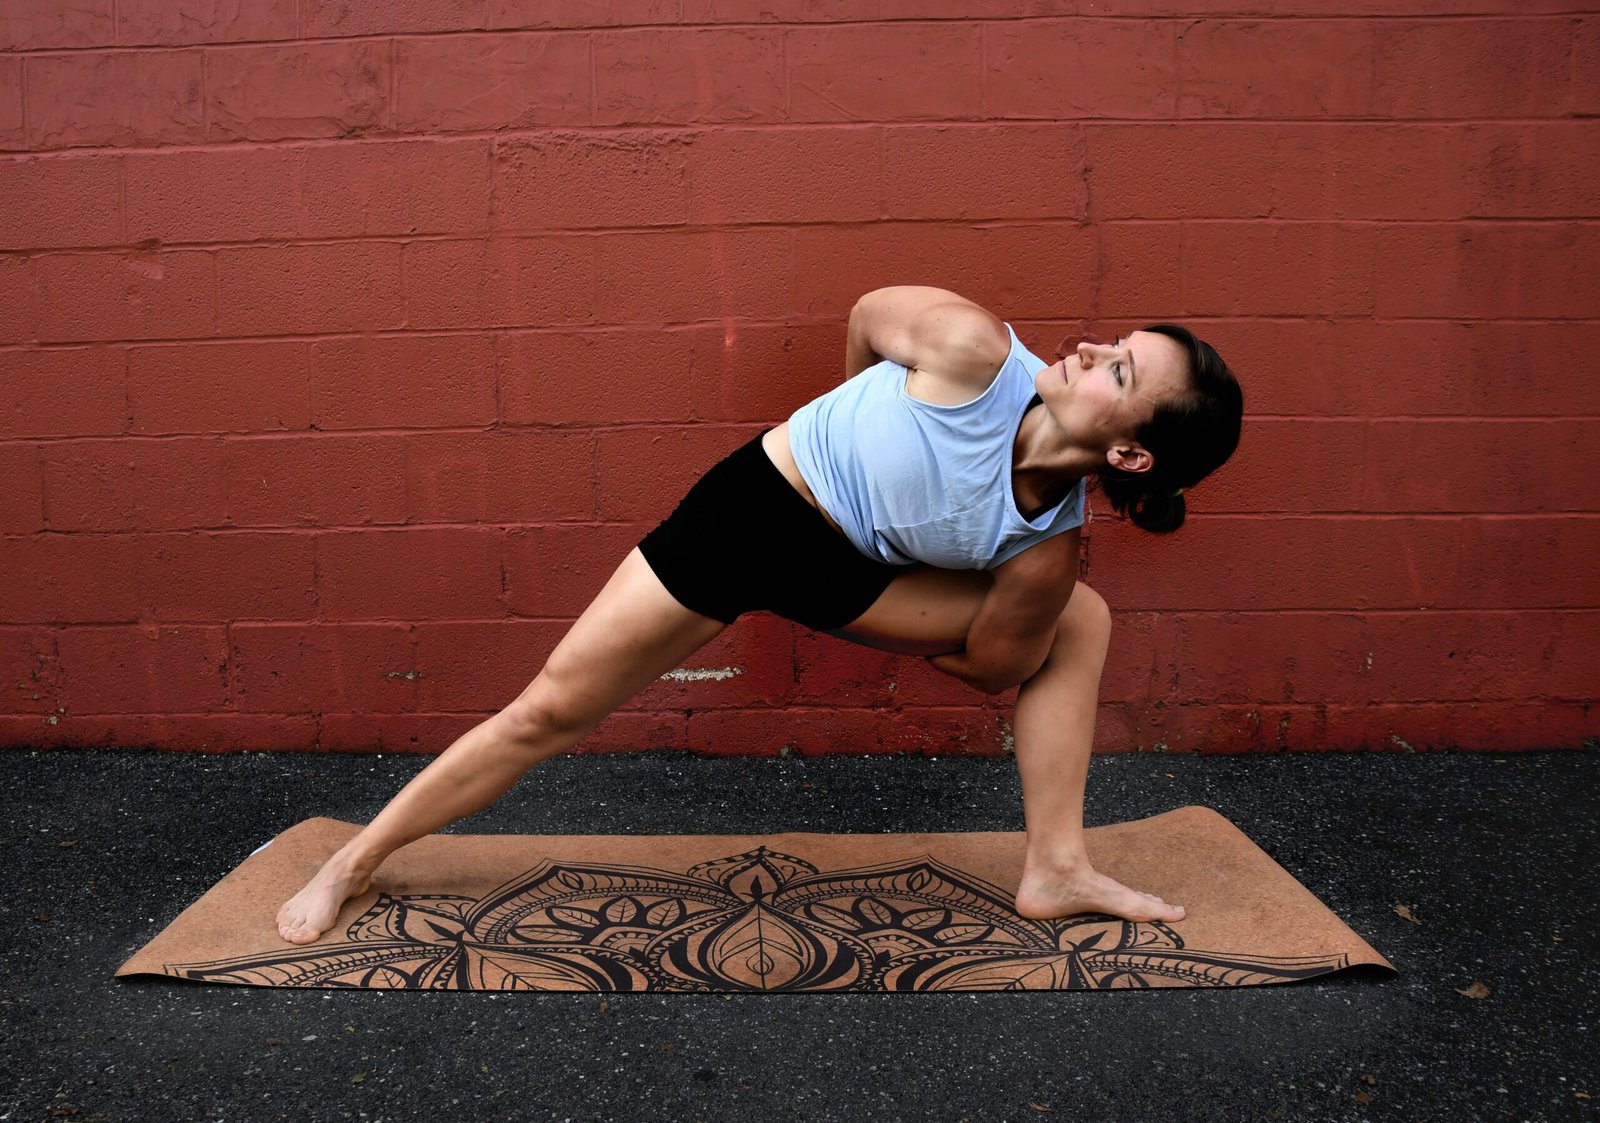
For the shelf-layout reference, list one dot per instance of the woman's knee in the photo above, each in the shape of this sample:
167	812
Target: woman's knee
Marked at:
1085	620
544	711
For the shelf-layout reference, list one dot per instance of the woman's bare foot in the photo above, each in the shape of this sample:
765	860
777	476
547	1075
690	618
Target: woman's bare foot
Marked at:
310	912
1046	894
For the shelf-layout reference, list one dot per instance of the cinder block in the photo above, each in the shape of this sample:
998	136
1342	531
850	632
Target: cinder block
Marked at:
415	734
1023	271
1481	465
13	134
245	575
1472	68
1509	656
688	76
834	174
835	265
217	387
499	476
59	578
328	21
691	276
317	480
624	732
764	372
1532	561
972	730
583	13
59	202
212	194
1165	170
984	172
773	732
1237	68
1585	94
1283	268
1295	465
1488	270
659	374
173	668
1409	367
372	189
300	289
884	72
829	669
309	666
36	24
410	380
468	83
592	180
1491	726
120	296
172	484
293	90
1140	271
32	683
1080	68
1353	562
63	392
19	305
501	282
158	23
84	98
1341	170
415	574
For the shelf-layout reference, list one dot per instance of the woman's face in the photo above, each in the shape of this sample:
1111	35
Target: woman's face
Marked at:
1101	393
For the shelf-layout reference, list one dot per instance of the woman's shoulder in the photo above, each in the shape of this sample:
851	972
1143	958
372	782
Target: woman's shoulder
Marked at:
964	341
960	353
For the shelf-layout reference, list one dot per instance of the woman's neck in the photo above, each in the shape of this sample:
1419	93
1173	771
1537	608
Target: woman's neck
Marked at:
1045	464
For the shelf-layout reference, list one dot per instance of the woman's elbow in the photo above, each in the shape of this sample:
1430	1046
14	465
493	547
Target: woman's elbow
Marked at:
1001	679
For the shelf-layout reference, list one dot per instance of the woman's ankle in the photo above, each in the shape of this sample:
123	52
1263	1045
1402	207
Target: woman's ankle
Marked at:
1057	860
351	861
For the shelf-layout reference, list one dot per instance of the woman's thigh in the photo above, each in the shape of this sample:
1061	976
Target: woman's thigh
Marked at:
632	632
925	611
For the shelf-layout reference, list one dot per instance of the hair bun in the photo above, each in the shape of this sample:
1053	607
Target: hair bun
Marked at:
1158	512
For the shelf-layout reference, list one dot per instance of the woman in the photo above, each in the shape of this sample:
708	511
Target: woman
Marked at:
931	507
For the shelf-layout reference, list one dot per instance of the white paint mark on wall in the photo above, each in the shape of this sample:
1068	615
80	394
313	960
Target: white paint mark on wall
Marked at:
702	674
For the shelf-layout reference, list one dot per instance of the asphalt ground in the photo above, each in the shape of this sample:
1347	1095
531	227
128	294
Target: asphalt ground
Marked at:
1493	855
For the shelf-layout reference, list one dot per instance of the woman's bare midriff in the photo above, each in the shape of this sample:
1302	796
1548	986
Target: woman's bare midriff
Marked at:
776	445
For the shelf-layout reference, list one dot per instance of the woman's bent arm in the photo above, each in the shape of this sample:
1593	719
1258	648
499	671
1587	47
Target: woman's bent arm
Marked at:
928	328
1015	626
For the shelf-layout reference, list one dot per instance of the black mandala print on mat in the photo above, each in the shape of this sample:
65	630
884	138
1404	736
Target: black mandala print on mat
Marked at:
758	921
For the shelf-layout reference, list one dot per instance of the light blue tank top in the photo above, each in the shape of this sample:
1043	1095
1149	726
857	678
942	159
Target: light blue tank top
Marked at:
908	481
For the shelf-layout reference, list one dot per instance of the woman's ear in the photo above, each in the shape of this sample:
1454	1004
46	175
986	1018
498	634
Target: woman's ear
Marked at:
1130	458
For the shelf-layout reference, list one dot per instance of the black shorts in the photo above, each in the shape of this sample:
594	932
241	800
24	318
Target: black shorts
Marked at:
744	540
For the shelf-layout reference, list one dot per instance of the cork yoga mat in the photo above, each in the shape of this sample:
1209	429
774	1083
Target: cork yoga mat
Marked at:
789	912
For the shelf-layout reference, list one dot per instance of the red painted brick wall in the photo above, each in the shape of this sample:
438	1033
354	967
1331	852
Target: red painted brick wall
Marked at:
343	353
